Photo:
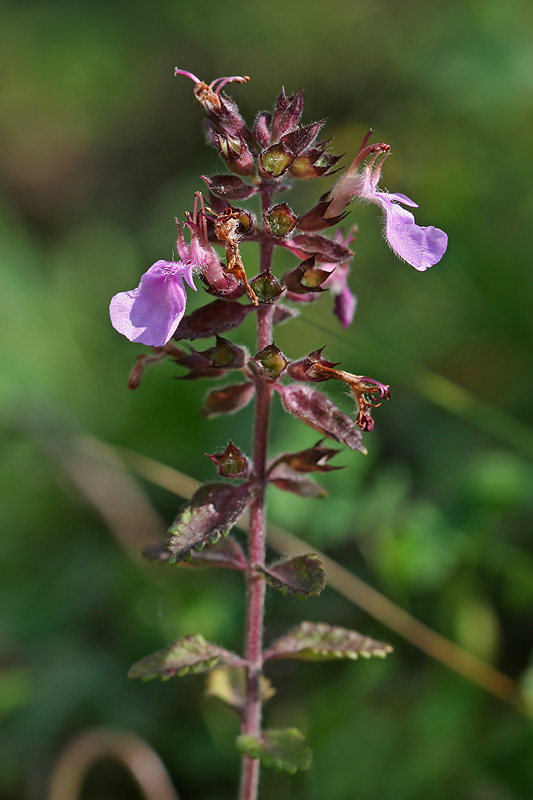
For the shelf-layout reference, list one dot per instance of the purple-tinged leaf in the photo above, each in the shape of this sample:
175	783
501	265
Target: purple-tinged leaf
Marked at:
320	413
283	477
314	219
228	400
296	142
284	314
232	463
285	749
224	553
302	576
229	187
216	317
229	687
316	641
313	459
324	249
190	655
210	514
287	113
280	220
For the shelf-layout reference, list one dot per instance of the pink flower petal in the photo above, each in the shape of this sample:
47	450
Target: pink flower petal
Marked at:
421	247
151	313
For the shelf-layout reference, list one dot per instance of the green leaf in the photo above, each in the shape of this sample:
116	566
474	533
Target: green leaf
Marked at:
189	655
209	515
316	641
302	576
286	749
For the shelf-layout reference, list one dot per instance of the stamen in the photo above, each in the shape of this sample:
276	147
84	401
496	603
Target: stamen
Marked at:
224	81
187	74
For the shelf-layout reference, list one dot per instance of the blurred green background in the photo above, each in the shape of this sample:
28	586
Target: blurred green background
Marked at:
100	148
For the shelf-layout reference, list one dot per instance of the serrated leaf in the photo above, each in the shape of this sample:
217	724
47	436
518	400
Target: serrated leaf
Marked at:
229	687
210	514
317	641
189	655
284	749
302	576
320	413
289	480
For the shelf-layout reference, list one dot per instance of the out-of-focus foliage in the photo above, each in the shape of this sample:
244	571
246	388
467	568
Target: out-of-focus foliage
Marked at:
100	148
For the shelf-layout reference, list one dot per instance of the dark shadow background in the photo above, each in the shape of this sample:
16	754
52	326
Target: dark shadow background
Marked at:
100	147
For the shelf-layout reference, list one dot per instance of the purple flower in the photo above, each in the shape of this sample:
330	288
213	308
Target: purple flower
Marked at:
151	313
422	247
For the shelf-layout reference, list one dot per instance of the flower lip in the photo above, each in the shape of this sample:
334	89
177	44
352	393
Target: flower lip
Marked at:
151	313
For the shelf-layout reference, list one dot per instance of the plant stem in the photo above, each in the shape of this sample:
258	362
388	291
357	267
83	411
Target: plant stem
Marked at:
251	723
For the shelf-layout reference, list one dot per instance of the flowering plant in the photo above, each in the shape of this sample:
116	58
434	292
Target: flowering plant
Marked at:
262	161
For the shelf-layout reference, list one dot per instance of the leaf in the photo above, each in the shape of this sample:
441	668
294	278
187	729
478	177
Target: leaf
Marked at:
224	553
210	514
313	459
314	244
230	187
285	749
215	317
229	687
228	400
301	576
317	641
288	480
189	655
320	413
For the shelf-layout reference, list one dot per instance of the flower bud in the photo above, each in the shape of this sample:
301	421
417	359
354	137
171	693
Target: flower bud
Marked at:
287	113
261	129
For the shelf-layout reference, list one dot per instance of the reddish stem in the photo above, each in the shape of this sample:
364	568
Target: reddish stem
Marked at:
251	723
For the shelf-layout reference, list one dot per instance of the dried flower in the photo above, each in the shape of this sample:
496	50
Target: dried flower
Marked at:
368	392
422	247
151	313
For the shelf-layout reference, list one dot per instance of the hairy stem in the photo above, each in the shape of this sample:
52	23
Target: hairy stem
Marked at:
251	723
